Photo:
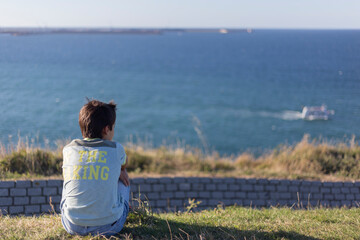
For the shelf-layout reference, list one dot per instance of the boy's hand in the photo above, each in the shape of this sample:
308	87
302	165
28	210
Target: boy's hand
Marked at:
124	178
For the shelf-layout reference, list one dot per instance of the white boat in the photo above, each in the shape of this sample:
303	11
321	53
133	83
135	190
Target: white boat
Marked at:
316	113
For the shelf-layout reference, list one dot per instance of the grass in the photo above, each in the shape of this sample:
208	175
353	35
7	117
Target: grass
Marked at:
307	159
229	223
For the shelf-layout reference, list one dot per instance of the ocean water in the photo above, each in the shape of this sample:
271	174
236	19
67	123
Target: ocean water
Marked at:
223	92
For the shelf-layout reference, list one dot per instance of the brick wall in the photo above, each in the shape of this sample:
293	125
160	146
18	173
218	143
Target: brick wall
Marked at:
33	197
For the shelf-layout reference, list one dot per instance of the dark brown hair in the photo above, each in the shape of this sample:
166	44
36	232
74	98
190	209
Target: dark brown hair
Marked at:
95	116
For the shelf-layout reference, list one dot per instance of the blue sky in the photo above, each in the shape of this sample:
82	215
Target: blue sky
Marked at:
309	14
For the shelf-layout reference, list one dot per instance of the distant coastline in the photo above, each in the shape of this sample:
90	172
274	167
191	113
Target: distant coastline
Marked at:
156	31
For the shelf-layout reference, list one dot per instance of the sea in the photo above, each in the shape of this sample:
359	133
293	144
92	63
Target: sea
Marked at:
228	93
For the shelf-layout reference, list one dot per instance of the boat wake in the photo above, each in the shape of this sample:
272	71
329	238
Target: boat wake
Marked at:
284	115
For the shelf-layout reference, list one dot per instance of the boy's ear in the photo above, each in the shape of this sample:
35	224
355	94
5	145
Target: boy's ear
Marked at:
105	130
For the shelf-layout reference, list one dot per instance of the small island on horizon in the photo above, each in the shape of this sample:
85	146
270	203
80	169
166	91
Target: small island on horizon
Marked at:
20	31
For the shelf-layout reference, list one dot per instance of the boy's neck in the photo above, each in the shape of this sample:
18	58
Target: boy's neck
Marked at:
91	139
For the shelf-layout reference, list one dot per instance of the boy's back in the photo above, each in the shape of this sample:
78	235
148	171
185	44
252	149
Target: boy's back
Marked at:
96	190
91	171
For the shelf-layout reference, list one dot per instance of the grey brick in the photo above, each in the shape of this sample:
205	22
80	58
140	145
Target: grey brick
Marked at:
263	181
270	188
198	187
263	195
217	180
17	192
348	184
357	184
34	191
166	195
179	180
282	188
240	180
294	189
325	190
234	187
306	183
158	187
50	191
165	180
214	202
327	184
179	194
194	180
144	188
153	195
316	196
184	186
192	194
22	184
39	183
60	190
221	187
4	192
152	180
247	187
285	182
137	180
338	184
285	195
175	202
340	197
134	188
16	210
305	189
252	196
229	194
21	200
46	208
205	180
161	203
204	194
32	209
328	196
350	197
274	181
6	201
314	189
259	203
335	190
259	188
296	182
218	195
274	195
241	195
316	183
251	181
54	199
354	190
229	180
171	187
335	203
210	187
4	211
7	184
345	190
54	183
37	200
346	203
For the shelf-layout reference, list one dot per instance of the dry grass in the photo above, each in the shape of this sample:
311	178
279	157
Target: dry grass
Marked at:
308	159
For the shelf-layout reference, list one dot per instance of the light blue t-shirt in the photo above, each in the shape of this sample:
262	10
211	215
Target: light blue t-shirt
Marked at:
91	171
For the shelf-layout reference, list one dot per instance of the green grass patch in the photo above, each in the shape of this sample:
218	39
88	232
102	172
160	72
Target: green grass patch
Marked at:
219	223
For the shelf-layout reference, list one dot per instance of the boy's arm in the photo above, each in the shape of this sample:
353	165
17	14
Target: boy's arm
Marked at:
124	178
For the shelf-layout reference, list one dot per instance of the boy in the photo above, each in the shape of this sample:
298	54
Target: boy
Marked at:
94	201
